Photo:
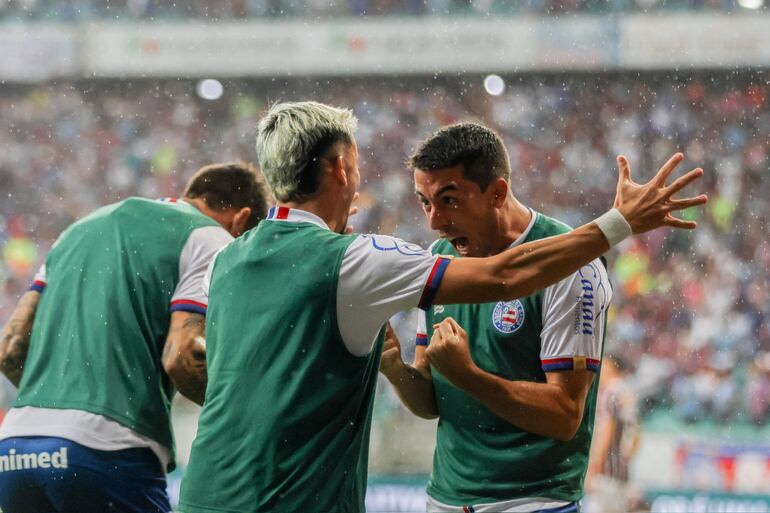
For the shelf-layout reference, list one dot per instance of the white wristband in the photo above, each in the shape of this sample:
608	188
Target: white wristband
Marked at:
614	226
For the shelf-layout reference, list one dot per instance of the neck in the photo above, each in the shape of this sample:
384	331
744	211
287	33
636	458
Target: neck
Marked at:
512	221
330	211
224	218
201	206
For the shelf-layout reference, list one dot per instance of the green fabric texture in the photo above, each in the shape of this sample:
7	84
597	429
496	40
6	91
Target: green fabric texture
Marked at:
479	457
103	317
285	425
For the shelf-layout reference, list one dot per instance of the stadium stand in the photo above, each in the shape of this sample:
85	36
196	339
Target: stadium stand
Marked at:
86	10
699	353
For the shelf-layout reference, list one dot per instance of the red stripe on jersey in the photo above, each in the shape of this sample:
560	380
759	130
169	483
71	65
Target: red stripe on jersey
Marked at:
189	302
283	213
557	360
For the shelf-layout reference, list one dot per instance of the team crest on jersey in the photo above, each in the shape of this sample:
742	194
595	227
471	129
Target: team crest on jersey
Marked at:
438	309
508	316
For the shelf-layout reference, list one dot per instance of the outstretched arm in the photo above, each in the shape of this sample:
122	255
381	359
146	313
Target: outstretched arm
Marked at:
522	270
184	355
14	341
413	383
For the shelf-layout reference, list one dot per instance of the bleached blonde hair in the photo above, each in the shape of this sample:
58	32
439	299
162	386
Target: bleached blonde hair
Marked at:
290	139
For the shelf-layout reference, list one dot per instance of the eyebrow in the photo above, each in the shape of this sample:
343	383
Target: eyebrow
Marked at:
448	187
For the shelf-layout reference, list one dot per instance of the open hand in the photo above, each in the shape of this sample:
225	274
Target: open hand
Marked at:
650	206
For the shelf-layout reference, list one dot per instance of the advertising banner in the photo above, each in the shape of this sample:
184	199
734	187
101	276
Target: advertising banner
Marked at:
35	52
687	41
407	46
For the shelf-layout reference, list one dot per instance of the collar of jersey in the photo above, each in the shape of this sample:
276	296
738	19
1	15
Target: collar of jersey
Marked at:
525	233
178	201
294	215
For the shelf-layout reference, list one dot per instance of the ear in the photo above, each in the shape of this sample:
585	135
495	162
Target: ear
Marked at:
499	190
240	222
338	171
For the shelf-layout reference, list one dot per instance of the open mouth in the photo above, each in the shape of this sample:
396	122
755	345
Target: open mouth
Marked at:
461	244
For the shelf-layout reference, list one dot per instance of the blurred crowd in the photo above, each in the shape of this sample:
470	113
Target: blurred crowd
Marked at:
84	10
690	311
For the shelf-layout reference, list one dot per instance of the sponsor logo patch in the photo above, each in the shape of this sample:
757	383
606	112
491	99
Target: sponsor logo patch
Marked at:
508	316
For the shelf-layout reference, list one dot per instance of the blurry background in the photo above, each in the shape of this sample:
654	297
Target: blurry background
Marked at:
103	100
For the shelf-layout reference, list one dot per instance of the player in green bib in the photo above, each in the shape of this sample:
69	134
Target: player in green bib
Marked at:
512	382
297	310
110	327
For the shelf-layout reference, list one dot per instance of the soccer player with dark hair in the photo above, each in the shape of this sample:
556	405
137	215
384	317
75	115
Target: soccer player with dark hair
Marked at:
112	324
298	314
513	381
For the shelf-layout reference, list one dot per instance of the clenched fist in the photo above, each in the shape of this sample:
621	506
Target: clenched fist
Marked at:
391	352
448	352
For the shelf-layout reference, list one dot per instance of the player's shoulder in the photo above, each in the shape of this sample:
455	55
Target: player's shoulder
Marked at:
210	236
546	226
386	245
174	211
104	215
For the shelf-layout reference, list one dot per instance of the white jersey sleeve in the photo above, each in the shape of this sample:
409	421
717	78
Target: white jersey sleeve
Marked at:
379	277
421	338
39	281
573	320
197	254
206	283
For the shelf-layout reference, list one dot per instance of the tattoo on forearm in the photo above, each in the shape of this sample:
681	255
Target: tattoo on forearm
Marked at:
187	357
195	321
15	337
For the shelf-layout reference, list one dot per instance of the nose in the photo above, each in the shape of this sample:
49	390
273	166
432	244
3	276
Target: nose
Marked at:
437	220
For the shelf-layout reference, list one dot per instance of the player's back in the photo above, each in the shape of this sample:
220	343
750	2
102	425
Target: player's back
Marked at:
103	315
286	419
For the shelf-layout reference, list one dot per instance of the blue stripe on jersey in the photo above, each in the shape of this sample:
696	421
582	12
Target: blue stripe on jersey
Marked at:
434	281
188	306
